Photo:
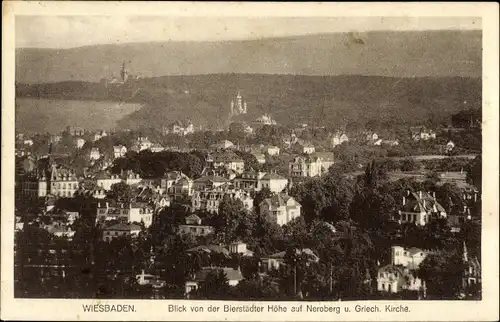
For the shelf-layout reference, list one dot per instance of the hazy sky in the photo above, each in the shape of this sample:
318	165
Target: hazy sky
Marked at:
74	31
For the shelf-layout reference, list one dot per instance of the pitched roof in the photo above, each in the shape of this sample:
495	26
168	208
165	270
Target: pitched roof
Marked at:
123	227
273	176
278	200
211	179
231	273
209	249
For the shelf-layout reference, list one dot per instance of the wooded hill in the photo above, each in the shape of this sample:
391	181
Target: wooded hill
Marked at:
320	100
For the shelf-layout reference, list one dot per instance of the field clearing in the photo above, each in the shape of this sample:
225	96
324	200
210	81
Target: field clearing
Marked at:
45	115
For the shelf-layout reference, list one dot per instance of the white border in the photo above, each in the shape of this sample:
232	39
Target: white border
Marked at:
48	309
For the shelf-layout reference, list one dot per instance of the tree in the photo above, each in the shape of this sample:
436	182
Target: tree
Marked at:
442	272
475	175
120	192
260	196
408	164
214	287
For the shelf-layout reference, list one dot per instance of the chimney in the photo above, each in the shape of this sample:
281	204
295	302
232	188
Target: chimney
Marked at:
420	194
404	201
434	195
424	204
408	192
475	196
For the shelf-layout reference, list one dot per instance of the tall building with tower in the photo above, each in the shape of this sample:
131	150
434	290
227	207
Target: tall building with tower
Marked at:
238	105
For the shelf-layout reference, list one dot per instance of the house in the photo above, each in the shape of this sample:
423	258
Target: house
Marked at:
75	131
305	148
239	247
179	128
119	230
149	279
142	143
390	142
130	177
129	212
156	147
266	119
233	276
79	143
63	181
209	249
59	230
119	151
274	182
105	180
223	145
94	154
249	180
419	208
98	135
162	202
276	260
209	182
289	140
193	226
449	146
337	138
210	199
401	273
261	158
280	208
419	133
226	159
371	136
311	165
273	150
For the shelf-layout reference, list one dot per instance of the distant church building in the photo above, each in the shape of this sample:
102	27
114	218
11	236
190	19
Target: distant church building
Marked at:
238	106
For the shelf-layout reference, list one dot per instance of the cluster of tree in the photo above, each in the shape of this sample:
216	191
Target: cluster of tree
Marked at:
154	165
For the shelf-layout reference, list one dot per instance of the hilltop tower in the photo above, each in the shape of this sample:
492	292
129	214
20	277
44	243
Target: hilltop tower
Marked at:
124	73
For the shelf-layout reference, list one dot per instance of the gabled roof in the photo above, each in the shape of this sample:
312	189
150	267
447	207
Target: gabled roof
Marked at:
277	200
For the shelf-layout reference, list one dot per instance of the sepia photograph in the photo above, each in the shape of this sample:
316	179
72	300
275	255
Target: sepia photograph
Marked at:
315	159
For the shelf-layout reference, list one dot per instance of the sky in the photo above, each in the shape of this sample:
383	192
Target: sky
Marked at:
75	31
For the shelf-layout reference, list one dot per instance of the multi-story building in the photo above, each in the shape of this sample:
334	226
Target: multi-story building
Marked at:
142	143
281	208
130	212
193	226
210	199
422	133
104	179
419	208
130	177
179	128
255	181
401	273
119	151
79	143
273	150
226	159
177	185
311	165
337	138
95	154
209	182
120	230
